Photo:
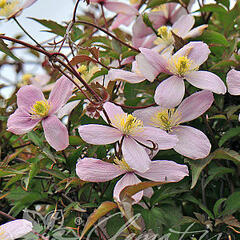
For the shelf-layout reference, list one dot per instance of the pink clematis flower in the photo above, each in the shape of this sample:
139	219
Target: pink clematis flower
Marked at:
34	108
126	13
15	229
192	143
182	65
95	170
13	8
233	83
130	133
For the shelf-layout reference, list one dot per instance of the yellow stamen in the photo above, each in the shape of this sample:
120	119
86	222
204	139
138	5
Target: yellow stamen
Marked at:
165	36
26	78
128	124
122	164
166	119
82	69
40	109
7	8
3	3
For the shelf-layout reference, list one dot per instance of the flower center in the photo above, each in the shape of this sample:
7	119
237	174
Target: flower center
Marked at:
128	124
181	66
26	78
166	119
165	36
122	164
8	7
40	109
82	69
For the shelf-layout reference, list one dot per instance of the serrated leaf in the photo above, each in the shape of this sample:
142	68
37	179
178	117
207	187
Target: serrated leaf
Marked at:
55	27
101	211
4	48
233	132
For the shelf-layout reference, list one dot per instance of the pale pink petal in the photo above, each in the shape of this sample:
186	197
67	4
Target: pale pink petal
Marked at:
55	133
183	25
99	134
127	180
20	122
112	111
135	155
170	92
119	7
148	192
165	171
159	137
95	170
28	3
118	74
67	108
192	142
122	19
196	51
196	32
27	97
195	105
206	80
40	80
233	82
15	229
147	70
60	93
146	114
159	62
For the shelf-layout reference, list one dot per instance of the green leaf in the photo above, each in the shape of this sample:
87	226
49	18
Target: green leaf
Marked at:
4	48
213	8
233	132
232	204
33	136
34	169
197	166
75	141
226	153
55	27
214	37
217	206
154	3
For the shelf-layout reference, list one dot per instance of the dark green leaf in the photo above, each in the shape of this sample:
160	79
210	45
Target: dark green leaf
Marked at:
4	48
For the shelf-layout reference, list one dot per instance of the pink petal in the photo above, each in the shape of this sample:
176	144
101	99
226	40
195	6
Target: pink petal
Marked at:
196	32
135	155
112	111
95	170
28	95
118	7
148	192
99	134
146	114
118	74
127	180
28	3
195	105
183	25
158	136
60	94
15	229
147	70
206	80
196	51
233	82
156	60
20	122
165	171
192	142
67	108
122	19
170	92
55	133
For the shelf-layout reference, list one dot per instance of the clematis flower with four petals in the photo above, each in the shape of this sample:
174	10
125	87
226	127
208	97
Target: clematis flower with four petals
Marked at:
95	170
15	229
183	65
192	142
131	135
34	108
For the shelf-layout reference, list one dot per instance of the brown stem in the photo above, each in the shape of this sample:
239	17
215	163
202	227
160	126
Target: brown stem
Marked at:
135	107
104	18
110	34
